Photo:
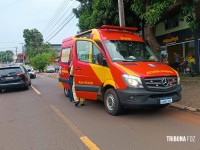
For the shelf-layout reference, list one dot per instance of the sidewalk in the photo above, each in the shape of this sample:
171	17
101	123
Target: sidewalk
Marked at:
190	92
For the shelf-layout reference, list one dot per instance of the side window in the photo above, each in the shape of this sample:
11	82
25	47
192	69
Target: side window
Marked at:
65	55
83	49
87	51
96	51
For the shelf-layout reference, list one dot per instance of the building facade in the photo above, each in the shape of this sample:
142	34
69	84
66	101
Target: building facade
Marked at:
175	36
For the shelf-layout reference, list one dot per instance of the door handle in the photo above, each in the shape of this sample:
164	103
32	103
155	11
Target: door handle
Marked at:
78	68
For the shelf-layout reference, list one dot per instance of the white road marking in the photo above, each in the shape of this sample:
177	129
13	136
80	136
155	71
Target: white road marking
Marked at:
90	145
35	90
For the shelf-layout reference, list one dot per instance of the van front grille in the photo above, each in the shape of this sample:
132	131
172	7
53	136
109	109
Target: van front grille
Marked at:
160	82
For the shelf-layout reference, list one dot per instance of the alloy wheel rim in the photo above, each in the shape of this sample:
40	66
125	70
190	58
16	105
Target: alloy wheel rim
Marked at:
110	101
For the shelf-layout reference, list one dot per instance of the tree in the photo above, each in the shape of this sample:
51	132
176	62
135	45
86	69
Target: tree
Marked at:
6	56
34	43
95	13
40	61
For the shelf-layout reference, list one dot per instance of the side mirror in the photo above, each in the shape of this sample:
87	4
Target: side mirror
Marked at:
100	59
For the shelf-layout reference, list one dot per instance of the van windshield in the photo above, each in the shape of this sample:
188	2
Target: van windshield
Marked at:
129	51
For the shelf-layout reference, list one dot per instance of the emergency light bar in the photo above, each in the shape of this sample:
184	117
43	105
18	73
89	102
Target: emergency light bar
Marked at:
84	34
119	28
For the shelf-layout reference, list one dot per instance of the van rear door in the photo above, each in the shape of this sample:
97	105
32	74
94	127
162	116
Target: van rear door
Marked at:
64	64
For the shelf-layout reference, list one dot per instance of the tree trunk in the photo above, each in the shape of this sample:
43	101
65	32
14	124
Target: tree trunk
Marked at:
151	39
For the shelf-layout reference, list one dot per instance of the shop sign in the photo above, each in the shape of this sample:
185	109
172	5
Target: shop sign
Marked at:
175	37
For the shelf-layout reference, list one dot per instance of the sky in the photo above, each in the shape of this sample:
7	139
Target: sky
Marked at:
47	16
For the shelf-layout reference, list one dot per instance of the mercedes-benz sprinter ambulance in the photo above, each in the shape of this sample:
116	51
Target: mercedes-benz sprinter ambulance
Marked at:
115	65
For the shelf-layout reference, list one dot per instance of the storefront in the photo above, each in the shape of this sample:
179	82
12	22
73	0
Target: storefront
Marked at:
181	42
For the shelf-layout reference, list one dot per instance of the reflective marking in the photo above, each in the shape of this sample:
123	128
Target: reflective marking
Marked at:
35	90
83	138
89	143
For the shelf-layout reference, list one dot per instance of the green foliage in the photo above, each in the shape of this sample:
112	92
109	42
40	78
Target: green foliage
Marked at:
40	61
6	56
95	13
34	43
151	12
154	11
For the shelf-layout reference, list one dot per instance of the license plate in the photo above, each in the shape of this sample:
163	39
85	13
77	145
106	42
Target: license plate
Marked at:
9	78
165	100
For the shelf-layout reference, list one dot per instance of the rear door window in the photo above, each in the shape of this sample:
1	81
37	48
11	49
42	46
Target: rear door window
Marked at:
9	71
65	55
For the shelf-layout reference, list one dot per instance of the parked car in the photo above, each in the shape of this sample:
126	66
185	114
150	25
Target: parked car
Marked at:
31	71
50	69
14	77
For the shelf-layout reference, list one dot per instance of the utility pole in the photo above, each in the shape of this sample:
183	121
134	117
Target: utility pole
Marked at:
121	13
23	51
16	53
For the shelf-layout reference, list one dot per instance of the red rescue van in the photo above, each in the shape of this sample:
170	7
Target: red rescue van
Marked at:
114	64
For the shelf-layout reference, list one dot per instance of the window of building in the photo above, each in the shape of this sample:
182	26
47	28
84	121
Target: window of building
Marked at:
171	23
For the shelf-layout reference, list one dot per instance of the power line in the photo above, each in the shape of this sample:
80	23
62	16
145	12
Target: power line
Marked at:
59	19
9	42
59	10
61	28
58	16
12	3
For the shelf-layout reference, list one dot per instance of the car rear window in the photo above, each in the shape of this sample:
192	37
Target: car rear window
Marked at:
13	70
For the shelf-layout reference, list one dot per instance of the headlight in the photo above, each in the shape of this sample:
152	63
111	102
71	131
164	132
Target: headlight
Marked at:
178	79
132	81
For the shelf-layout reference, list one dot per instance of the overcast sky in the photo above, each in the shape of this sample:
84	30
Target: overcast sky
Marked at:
47	16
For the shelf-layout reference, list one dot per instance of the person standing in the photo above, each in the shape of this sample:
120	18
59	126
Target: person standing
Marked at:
71	77
77	100
177	58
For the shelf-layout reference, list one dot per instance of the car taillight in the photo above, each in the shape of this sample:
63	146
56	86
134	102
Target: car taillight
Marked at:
21	75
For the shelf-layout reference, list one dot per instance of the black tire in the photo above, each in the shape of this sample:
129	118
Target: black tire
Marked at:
66	92
112	103
26	87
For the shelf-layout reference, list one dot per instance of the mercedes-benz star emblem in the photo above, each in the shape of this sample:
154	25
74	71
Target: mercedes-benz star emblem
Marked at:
152	65
165	82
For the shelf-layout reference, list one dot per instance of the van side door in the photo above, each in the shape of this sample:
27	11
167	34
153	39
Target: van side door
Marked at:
86	69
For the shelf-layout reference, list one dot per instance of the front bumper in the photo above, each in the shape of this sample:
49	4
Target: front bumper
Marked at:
142	97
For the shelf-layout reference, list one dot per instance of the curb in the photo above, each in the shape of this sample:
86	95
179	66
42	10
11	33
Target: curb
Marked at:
182	107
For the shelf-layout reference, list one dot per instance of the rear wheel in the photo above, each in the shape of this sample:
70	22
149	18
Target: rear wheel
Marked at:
66	92
112	103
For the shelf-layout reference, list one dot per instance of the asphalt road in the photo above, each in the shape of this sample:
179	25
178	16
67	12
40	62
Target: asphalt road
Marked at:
42	118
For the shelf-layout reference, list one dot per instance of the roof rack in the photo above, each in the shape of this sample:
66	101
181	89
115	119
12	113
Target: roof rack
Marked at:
119	28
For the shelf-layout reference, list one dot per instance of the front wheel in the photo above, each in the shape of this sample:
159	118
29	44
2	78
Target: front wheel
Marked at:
112	103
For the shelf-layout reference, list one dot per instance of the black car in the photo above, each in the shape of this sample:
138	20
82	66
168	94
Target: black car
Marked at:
14	77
